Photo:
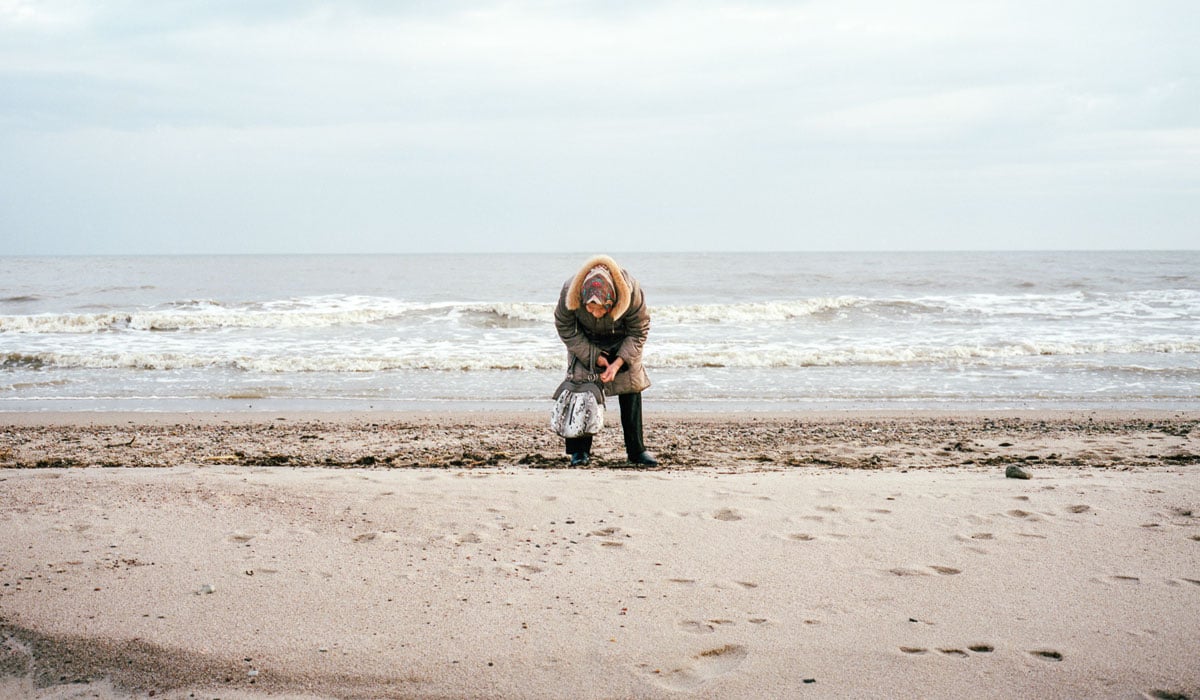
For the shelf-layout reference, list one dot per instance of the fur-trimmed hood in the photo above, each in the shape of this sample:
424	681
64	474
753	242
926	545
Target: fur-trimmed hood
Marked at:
619	283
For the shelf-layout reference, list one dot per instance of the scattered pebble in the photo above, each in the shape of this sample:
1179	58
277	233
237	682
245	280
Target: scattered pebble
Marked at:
1015	472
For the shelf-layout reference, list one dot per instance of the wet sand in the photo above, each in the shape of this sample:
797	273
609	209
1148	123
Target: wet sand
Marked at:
908	440
455	555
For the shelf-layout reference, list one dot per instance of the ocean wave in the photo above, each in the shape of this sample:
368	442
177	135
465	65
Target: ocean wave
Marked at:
280	364
27	386
1164	304
324	312
784	357
492	357
316	312
349	310
773	311
506	313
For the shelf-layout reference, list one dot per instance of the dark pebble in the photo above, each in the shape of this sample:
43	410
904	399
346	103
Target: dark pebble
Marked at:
1015	472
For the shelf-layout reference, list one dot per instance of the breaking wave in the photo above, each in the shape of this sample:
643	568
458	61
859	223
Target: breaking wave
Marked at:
325	312
485	357
204	315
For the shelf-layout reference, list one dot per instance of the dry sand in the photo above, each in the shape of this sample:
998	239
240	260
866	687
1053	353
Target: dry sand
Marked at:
853	555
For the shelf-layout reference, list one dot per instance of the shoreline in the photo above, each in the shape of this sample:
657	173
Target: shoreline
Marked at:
19	418
864	440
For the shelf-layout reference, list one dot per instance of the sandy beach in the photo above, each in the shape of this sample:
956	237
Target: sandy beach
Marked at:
456	555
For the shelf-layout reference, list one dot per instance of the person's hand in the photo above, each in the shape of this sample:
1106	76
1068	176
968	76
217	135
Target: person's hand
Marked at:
610	371
602	361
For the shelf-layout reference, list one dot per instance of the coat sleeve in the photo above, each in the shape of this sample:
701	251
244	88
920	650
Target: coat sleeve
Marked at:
570	333
637	325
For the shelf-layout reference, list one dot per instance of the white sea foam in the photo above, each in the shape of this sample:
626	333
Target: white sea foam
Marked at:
482	357
754	313
314	312
337	310
784	357
324	312
1141	304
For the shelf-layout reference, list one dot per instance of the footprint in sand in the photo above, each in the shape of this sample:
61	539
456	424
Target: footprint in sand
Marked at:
951	651
942	570
703	626
971	541
899	571
696	627
1047	654
610	537
1078	509
801	537
727	515
693	672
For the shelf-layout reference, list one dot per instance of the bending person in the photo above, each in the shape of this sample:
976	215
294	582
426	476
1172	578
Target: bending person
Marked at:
602	313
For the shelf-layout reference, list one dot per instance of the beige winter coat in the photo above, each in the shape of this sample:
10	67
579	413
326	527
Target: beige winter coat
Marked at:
619	333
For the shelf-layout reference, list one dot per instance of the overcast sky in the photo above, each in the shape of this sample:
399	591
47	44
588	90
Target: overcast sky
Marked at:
280	126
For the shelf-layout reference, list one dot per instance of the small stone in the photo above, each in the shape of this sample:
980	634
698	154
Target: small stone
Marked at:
206	589
1015	472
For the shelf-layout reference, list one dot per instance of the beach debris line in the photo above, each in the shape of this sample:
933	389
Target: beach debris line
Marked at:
1066	440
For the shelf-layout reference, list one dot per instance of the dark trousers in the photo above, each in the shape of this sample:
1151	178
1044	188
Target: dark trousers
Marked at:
631	425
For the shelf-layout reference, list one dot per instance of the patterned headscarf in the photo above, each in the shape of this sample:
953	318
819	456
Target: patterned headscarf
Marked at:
598	288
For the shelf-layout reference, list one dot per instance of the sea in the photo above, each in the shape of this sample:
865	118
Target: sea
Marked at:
730	332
